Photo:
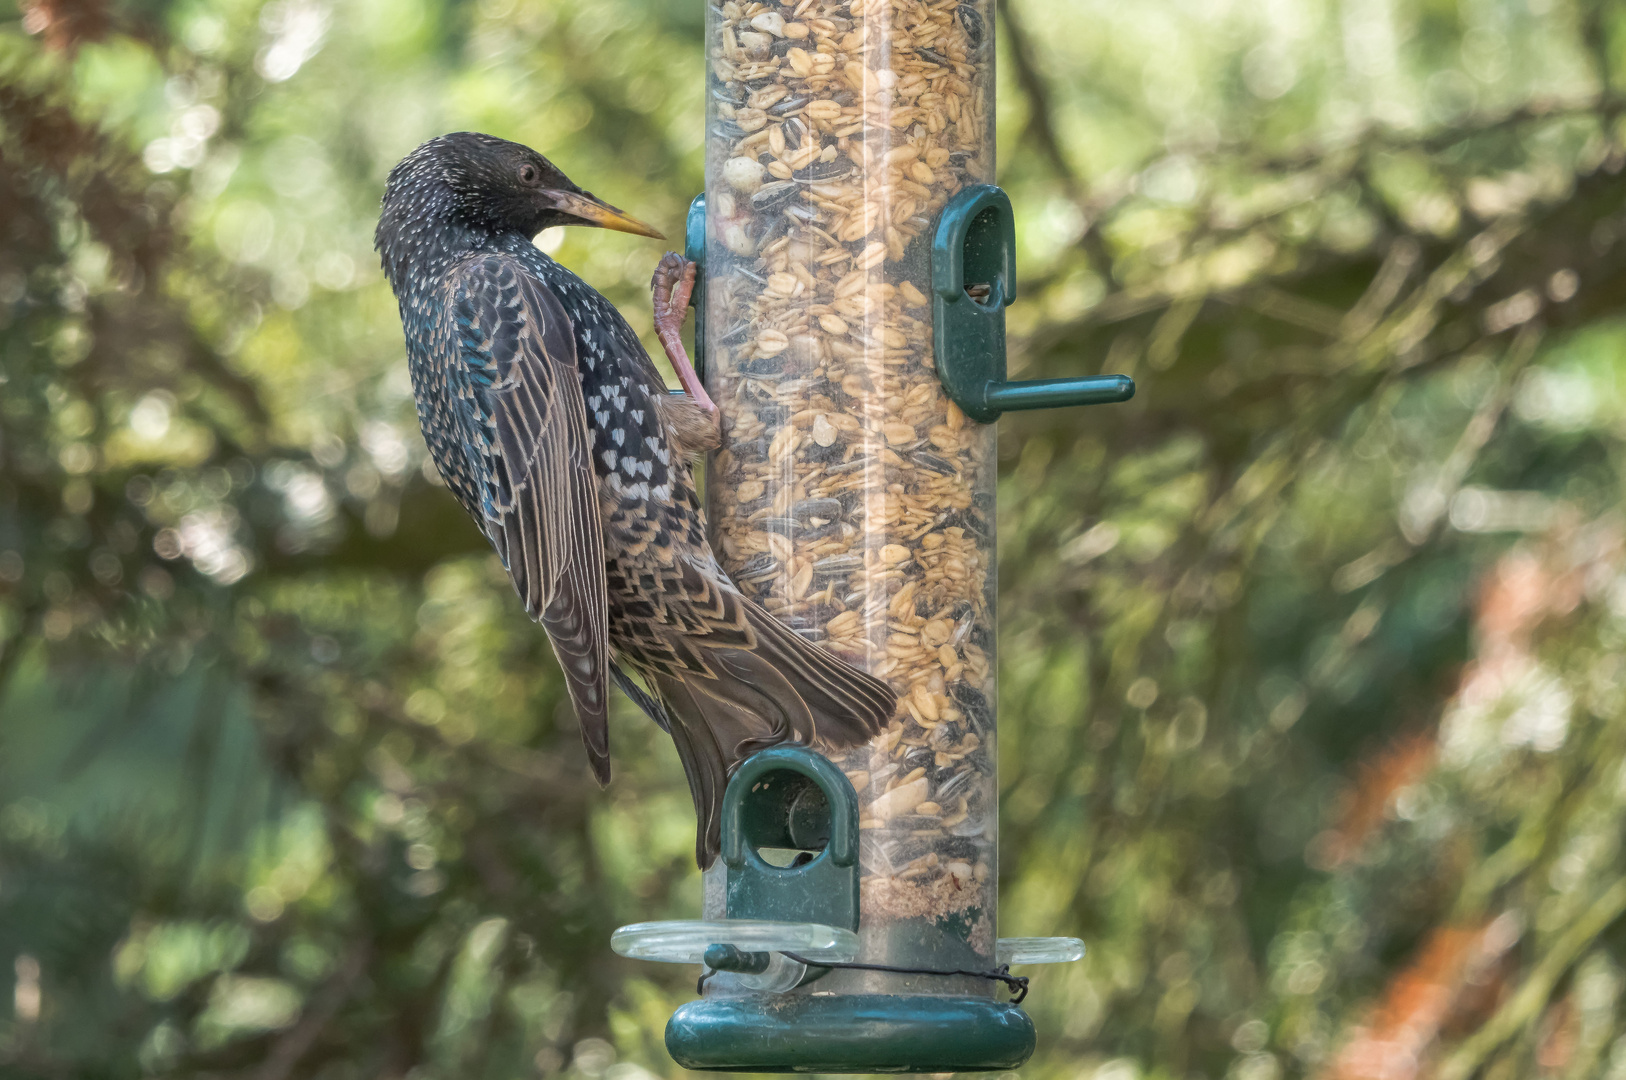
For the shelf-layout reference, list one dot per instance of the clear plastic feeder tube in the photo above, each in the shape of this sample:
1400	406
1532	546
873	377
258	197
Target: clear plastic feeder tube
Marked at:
851	497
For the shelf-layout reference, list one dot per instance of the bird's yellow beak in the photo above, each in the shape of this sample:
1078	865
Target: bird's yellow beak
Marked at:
590	210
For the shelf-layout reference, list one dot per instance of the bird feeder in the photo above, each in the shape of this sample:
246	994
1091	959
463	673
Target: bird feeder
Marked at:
856	262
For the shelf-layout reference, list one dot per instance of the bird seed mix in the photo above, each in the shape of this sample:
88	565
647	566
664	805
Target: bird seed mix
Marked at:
852	498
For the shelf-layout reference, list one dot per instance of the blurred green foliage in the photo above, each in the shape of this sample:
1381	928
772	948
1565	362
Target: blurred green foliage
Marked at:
1312	685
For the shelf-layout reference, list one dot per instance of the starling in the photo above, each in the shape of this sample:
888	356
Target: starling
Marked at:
551	425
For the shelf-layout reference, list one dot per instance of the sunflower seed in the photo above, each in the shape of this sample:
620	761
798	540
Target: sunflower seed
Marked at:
838	565
774	194
934	463
816	510
759	568
824	170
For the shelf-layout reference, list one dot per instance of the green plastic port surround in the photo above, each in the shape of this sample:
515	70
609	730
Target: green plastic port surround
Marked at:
975	244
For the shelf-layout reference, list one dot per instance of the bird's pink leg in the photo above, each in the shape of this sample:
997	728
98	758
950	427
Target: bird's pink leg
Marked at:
671	286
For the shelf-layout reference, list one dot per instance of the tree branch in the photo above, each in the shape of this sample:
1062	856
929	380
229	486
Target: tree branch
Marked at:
1041	129
296	1042
1533	994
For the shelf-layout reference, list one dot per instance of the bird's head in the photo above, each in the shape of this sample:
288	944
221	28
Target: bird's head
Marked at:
492	185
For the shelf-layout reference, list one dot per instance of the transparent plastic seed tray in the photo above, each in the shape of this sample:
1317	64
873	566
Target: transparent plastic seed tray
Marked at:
686	941
1038	950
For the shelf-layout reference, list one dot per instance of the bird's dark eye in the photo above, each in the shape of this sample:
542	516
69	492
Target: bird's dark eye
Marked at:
529	174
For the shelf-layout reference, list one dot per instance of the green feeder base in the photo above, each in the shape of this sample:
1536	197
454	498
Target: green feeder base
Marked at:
849	1033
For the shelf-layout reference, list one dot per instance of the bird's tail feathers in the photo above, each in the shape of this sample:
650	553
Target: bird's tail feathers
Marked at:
651	706
848	705
784	690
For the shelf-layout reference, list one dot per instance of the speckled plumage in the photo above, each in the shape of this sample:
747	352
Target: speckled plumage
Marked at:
553	428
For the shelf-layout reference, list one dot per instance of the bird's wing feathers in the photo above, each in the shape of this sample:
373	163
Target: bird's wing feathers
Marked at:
521	397
725	678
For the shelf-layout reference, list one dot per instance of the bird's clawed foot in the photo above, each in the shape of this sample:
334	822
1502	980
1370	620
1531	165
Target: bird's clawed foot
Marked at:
671	286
